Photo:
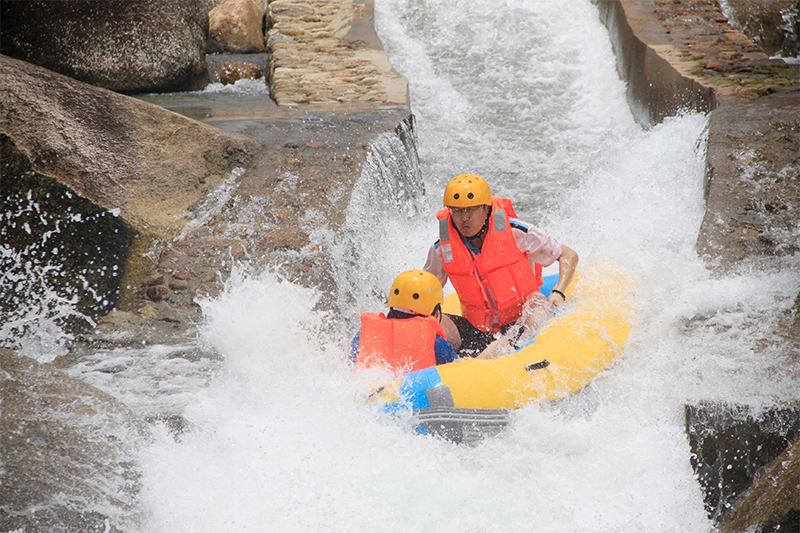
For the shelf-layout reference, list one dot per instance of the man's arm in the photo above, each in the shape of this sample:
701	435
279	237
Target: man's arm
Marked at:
545	250
435	265
567	263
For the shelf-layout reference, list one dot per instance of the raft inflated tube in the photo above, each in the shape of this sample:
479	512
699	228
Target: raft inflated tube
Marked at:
573	347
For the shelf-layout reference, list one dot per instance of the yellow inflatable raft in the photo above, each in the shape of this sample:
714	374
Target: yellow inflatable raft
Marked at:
576	344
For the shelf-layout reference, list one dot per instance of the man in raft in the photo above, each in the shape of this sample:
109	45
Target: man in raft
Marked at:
494	262
410	337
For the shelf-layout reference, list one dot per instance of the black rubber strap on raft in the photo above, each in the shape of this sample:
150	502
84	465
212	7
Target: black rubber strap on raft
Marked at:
544	363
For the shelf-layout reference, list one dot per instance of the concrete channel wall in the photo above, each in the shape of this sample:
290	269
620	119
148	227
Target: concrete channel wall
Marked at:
656	89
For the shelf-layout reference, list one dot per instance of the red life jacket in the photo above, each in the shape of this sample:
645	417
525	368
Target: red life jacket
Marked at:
400	344
494	287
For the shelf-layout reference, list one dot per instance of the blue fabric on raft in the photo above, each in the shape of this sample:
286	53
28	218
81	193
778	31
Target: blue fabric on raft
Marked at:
414	390
549	284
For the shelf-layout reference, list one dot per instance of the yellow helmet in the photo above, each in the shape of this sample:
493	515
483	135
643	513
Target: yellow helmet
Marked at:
417	290
467	190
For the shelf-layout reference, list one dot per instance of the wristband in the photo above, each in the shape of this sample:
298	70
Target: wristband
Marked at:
559	293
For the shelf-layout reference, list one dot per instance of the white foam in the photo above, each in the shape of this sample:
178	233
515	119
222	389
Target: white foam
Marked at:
524	92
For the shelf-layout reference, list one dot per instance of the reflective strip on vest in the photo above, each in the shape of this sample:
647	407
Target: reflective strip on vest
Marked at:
444	231
499	220
447	253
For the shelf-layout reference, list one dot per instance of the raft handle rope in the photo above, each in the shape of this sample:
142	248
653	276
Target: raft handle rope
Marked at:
544	363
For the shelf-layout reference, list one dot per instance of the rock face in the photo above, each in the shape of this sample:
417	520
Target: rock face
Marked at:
67	452
731	445
123	45
773	24
55	236
775	490
110	149
656	89
236	27
113	155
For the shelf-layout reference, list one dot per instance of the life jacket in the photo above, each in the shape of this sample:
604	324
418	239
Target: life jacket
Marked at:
494	287
400	344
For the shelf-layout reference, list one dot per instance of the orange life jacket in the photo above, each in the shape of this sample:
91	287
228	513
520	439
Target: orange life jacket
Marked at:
494	287
400	344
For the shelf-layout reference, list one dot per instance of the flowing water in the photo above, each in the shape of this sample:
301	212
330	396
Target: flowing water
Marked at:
525	93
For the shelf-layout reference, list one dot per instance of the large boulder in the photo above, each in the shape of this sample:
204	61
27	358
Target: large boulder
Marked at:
236	26
96	180
124	45
67	450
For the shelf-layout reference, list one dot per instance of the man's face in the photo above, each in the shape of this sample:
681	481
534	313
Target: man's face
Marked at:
469	220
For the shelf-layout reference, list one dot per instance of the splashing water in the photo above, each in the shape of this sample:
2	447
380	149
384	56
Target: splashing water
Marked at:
525	93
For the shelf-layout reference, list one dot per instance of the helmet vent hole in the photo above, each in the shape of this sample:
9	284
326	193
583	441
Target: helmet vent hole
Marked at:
456	196
397	291
470	196
416	296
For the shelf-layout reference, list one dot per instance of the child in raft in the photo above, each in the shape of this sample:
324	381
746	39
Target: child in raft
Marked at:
410	337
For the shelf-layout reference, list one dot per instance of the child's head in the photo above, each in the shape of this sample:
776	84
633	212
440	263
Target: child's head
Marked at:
416	291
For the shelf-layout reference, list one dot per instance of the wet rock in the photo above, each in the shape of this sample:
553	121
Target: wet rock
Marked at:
68	453
656	89
772	503
117	319
167	266
93	160
147	311
155	279
110	148
773	24
157	292
182	274
752	188
53	239
237	250
233	71
178	285
731	446
123	45
236	26
209	290
207	274
283	239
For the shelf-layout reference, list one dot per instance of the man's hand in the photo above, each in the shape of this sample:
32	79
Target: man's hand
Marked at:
556	298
